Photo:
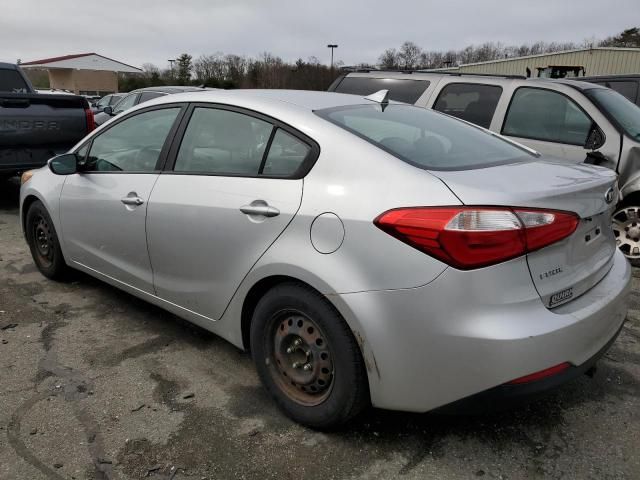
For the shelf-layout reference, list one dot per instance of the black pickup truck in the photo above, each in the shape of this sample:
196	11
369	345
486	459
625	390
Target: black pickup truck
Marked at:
36	126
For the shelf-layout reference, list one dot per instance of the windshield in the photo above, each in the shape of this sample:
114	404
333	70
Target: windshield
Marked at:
619	109
424	138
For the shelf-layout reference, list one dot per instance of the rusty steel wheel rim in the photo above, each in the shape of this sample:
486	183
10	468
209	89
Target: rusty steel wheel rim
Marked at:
299	358
43	241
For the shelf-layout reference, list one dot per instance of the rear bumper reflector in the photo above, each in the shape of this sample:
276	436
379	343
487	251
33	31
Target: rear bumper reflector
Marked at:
547	372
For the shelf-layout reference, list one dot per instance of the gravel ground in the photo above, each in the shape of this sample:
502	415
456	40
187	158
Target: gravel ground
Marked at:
97	384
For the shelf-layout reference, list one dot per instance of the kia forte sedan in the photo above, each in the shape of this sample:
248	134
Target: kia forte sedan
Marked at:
365	252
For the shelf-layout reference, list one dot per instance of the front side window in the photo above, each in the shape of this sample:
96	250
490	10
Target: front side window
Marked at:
133	145
104	101
406	91
424	138
126	103
115	99
223	142
472	102
546	115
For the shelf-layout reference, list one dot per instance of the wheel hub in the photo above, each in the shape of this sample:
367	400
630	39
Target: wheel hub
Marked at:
303	360
42	237
626	228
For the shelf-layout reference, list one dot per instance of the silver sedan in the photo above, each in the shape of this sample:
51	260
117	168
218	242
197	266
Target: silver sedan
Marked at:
365	252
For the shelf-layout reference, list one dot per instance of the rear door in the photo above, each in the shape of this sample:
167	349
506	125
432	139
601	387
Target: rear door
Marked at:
234	186
554	123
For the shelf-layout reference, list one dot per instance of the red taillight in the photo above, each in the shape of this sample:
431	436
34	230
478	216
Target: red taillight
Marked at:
547	372
473	237
91	122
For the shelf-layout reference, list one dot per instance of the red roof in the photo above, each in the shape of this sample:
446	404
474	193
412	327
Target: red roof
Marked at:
58	59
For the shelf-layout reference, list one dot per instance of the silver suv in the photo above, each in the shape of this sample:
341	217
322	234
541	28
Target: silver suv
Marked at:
576	121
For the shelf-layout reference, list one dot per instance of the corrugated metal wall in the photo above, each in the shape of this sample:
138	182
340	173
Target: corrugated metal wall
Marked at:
595	61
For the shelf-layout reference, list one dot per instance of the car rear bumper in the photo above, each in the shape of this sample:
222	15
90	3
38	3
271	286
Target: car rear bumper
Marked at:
510	395
468	332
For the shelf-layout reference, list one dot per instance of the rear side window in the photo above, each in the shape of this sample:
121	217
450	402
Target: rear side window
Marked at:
406	91
546	115
223	142
424	138
11	81
286	155
472	102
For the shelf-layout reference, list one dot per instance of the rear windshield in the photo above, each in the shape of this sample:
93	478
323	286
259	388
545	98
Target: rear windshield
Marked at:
11	81
424	138
619	109
406	91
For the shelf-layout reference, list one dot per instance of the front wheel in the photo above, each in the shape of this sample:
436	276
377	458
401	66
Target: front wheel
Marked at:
307	358
43	242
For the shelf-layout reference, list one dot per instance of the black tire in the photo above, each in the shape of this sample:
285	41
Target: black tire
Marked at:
43	242
626	228
335	365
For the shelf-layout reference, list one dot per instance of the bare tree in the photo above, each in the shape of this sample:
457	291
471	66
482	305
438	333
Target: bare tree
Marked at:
409	55
389	59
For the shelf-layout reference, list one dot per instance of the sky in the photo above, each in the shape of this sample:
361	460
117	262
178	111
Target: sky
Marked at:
152	31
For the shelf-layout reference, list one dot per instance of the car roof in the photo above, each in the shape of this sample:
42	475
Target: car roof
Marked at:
575	82
299	99
621	76
169	89
8	66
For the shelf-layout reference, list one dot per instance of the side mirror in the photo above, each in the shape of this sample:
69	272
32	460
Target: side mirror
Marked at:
595	139
65	164
108	110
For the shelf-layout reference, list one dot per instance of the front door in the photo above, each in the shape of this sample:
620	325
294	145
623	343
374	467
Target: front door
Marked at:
104	207
234	188
554	124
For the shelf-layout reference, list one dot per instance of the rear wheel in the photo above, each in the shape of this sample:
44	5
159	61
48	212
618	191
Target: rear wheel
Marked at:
43	242
626	228
307	358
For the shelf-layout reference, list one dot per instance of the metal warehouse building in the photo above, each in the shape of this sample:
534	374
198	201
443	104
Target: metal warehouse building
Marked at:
585	61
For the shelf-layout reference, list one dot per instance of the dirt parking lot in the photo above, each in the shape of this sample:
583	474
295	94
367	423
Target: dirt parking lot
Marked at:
95	384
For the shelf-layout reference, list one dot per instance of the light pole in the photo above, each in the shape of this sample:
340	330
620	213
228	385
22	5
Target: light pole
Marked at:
171	60
332	46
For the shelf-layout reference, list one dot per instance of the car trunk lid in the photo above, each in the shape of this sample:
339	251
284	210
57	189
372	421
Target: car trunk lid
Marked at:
566	269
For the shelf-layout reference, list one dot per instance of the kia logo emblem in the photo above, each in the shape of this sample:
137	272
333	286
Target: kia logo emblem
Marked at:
609	195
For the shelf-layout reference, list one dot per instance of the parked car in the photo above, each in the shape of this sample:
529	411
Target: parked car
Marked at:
576	121
139	96
363	251
626	85
107	100
35	126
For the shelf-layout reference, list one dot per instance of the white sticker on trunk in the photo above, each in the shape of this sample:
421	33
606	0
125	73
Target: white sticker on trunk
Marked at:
560	297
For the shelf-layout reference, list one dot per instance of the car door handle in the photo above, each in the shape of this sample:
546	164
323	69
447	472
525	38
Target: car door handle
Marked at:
260	209
132	201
